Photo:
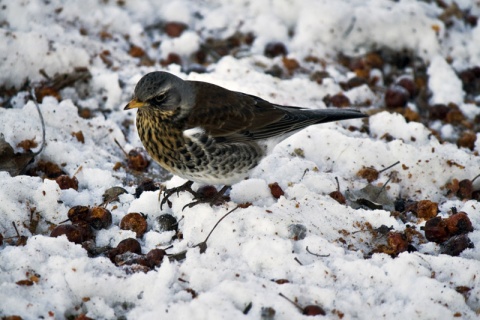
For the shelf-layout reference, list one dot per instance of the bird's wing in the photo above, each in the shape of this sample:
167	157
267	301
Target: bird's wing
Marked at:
237	117
243	117
295	119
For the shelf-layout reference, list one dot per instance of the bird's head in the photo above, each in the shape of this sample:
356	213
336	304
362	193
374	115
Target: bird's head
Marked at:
160	91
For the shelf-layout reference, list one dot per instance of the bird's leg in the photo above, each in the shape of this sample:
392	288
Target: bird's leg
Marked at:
215	199
187	186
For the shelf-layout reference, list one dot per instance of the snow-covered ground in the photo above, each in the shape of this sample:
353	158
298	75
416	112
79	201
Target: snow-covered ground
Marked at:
342	263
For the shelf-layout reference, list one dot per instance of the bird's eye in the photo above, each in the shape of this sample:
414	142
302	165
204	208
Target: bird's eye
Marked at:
158	100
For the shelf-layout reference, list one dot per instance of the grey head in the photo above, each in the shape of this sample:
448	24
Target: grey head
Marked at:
162	91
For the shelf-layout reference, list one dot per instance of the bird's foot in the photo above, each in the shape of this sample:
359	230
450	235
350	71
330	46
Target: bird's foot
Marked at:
187	186
209	195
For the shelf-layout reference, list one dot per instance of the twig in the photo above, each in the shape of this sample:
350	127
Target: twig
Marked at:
384	186
389	167
317	255
15	227
32	92
291	301
475	178
216	224
304	173
338	184
121	148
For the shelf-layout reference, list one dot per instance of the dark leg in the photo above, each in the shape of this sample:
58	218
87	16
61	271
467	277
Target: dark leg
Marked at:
214	199
187	186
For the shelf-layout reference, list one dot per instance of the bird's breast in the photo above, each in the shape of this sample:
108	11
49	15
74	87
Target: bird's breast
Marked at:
193	154
162	139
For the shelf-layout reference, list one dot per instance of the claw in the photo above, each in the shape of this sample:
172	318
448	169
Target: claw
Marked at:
199	197
214	199
187	186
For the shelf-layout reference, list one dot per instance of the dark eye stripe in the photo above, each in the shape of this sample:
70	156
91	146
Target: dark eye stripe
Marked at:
158	100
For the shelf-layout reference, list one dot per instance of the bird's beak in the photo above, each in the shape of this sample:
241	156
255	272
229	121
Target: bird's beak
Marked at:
134	103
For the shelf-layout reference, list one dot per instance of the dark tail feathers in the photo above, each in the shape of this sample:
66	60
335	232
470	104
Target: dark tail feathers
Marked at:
329	115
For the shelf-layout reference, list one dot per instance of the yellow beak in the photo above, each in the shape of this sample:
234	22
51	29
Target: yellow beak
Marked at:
134	103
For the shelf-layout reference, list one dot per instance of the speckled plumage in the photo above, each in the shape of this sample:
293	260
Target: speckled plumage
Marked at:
199	159
211	135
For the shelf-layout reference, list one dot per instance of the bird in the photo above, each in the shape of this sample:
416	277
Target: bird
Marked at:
210	135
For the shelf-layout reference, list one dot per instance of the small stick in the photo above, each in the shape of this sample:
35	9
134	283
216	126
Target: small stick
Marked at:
338	184
384	186
15	227
32	92
475	178
317	255
78	170
216	224
389	167
121	148
291	301
304	173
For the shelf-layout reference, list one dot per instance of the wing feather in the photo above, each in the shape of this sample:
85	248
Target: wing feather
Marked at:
243	117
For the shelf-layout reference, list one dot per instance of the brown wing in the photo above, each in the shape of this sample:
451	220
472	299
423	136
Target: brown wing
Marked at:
233	115
236	116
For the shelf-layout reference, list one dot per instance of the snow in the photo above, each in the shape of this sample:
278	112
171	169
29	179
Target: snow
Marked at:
445	85
253	246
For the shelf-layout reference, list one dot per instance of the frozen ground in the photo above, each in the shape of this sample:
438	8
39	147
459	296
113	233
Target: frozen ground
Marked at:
253	254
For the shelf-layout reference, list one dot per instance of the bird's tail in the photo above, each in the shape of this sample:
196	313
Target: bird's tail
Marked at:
316	116
295	119
329	115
